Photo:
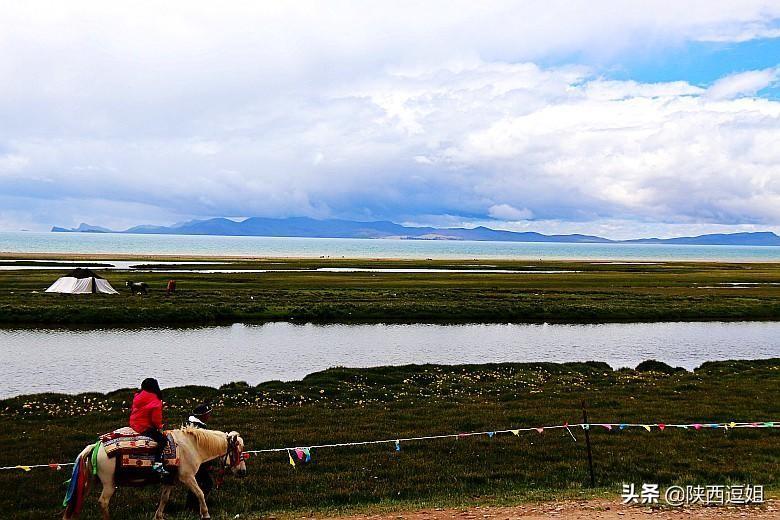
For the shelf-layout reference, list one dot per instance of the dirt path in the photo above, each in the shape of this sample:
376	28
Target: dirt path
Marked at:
591	509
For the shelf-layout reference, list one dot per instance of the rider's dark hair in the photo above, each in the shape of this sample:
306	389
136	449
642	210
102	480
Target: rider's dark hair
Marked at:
150	385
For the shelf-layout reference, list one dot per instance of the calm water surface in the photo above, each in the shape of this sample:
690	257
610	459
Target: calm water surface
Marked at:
109	243
40	360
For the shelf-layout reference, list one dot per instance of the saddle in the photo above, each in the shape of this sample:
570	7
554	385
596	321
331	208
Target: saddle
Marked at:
134	454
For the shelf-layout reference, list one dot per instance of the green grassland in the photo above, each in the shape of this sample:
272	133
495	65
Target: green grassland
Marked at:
385	403
599	292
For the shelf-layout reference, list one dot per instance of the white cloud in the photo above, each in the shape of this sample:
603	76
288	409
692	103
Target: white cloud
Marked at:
738	33
499	140
510	213
743	84
12	163
396	110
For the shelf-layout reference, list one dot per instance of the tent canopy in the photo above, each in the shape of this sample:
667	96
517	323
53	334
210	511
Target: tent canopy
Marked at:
81	281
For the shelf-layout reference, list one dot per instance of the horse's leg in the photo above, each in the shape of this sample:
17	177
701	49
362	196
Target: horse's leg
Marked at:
191	483
105	473
164	496
105	498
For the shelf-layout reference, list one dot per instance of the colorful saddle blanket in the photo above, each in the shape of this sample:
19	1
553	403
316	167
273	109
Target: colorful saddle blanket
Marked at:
132	449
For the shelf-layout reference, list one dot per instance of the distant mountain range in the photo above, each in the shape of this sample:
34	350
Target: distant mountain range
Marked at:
334	228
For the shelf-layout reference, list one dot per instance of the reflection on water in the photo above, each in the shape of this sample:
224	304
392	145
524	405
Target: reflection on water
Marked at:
102	360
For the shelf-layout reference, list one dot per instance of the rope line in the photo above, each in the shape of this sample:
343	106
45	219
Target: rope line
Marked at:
514	431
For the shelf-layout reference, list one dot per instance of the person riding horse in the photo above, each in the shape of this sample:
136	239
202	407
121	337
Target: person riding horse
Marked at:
146	418
200	416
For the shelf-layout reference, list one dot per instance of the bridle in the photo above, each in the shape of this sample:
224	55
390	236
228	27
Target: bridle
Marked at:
233	455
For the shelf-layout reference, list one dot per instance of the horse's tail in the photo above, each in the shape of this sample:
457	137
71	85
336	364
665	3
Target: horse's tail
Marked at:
79	481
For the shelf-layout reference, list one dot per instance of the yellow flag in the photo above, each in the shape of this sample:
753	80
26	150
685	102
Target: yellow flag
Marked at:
292	462
25	468
516	432
646	427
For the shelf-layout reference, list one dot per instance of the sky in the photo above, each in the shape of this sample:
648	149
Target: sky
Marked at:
621	119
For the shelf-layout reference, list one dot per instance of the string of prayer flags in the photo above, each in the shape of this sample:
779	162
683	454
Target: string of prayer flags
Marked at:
299	456
307	453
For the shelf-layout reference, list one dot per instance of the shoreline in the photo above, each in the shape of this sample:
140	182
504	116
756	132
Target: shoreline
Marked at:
15	255
646	367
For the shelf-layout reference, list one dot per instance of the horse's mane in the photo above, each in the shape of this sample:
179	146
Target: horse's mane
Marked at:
209	440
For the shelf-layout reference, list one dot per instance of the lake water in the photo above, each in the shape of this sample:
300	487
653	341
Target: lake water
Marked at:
40	360
115	243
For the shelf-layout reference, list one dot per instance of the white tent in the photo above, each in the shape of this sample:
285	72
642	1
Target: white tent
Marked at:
81	281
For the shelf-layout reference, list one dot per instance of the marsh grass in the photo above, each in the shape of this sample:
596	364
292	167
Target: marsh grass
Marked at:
600	292
389	402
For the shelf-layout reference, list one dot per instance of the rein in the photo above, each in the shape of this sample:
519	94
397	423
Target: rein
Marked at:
233	457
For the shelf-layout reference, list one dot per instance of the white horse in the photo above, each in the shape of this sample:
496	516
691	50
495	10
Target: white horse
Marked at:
194	447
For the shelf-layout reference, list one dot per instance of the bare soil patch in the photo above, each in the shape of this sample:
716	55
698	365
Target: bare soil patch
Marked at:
576	510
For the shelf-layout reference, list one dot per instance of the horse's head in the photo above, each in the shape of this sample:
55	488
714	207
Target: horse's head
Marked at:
236	458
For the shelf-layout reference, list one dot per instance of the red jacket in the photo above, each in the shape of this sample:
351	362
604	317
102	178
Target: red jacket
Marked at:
146	412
